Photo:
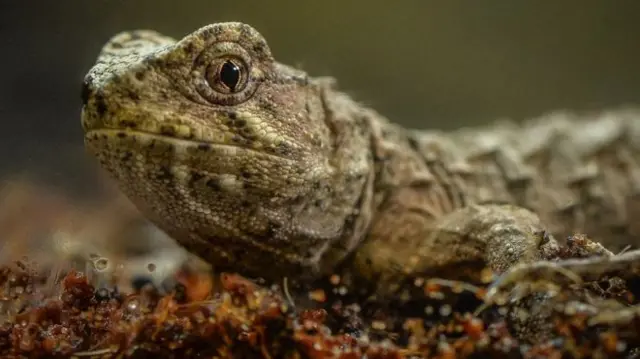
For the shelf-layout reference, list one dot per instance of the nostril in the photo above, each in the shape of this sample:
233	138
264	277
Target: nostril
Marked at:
85	92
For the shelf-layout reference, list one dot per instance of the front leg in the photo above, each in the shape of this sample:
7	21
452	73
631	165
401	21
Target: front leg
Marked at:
406	243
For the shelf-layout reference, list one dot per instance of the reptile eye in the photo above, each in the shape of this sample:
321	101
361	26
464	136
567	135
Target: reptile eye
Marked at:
227	75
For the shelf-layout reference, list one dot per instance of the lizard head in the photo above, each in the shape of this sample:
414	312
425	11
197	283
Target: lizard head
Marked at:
249	163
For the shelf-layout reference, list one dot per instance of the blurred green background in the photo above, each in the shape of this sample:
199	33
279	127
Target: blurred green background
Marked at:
427	64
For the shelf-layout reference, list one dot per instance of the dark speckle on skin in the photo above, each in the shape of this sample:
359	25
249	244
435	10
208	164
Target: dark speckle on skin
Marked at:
194	177
121	135
238	123
259	47
248	134
204	147
116	80
215	31
415	145
168	130
135	35
101	106
156	62
133	95
127	156
165	173
189	48
128	123
213	184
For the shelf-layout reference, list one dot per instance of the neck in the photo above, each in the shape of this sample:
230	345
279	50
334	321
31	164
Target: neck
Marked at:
350	195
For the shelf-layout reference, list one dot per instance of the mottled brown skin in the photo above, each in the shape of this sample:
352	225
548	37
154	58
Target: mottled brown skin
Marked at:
261	169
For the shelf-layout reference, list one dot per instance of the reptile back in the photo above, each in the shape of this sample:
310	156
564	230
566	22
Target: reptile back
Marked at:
579	173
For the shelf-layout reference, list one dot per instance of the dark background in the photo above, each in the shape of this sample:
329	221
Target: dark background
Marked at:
422	63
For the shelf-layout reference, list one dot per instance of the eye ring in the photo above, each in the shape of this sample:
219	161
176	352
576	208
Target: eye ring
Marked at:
223	74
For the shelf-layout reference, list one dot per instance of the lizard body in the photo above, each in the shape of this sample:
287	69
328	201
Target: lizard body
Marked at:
261	169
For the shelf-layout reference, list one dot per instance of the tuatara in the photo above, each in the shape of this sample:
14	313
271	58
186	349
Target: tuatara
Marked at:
261	169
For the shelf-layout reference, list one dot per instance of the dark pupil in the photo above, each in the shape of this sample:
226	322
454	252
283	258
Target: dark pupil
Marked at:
230	75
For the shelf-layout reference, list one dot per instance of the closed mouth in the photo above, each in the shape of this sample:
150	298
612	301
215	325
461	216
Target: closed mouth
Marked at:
148	137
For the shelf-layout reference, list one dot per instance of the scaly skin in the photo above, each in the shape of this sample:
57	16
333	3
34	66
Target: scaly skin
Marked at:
261	169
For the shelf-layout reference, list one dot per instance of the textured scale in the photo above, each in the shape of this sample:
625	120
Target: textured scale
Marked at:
578	173
272	173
